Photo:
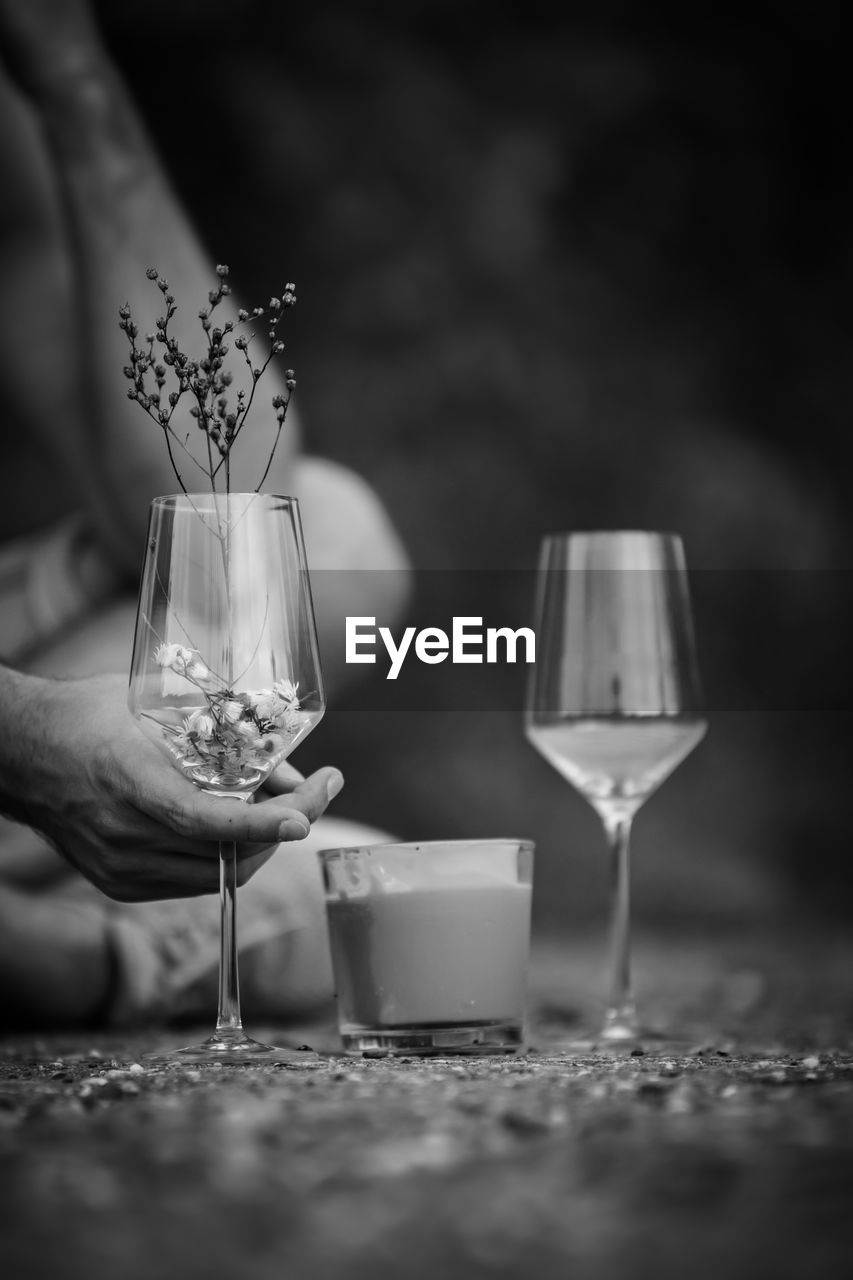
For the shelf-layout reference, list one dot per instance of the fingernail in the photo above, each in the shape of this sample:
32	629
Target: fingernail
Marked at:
293	829
334	785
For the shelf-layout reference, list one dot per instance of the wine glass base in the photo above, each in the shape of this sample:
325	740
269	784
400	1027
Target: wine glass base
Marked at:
642	1041
227	1048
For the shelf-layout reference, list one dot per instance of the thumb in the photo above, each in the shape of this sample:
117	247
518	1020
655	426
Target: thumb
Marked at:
218	818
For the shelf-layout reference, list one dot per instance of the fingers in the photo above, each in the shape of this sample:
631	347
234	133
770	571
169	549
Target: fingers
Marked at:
172	875
282	780
201	817
312	796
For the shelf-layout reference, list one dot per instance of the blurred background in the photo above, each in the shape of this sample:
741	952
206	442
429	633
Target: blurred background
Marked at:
573	269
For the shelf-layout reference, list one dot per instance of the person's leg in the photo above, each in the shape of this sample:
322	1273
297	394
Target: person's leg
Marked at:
55	959
160	959
167	953
120	216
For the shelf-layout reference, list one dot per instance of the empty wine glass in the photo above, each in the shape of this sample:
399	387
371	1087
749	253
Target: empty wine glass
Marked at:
226	676
614	700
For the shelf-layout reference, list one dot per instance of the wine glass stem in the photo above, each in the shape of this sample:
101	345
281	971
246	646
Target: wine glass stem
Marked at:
621	1017
228	1018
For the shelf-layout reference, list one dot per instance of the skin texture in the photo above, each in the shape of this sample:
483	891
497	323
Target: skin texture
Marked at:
85	209
75	766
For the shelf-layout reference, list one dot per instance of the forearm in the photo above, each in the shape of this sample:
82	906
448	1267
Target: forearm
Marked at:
30	762
124	216
42	377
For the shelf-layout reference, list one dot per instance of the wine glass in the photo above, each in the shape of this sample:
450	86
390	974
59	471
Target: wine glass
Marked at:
226	676
614	700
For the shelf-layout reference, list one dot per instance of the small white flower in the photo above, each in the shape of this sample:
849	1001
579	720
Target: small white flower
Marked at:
230	711
196	669
292	721
181	740
172	655
265	704
286	690
201	723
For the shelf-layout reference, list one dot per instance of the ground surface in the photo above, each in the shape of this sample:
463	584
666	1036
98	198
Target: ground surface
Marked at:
731	1157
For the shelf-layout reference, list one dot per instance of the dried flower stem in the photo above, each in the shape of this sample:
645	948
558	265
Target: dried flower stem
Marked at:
205	381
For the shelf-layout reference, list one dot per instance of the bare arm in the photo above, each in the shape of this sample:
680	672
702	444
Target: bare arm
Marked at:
74	765
123	216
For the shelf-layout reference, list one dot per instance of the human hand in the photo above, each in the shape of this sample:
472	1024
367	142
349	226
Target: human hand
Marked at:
86	776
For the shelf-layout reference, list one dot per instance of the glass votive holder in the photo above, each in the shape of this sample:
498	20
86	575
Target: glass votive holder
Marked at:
430	944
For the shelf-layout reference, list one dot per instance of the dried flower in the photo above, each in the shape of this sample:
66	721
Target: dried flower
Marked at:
233	731
205	380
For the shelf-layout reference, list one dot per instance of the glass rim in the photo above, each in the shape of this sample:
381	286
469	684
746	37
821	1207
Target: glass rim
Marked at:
207	495
565	534
515	842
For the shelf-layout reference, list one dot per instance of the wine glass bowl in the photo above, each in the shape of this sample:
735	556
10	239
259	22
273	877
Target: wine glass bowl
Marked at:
225	668
225	673
614	703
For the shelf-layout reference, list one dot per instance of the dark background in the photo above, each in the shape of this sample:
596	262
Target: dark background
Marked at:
561	270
